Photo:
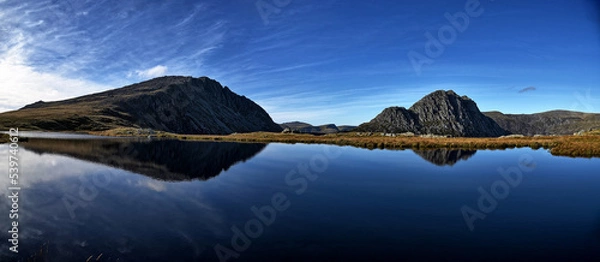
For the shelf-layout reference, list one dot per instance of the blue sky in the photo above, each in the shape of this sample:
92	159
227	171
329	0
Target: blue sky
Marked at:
317	61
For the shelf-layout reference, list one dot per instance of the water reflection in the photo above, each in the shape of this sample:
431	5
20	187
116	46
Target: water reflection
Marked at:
169	160
69	215
174	160
597	231
400	210
443	156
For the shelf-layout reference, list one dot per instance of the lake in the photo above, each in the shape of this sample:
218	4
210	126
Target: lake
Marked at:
165	200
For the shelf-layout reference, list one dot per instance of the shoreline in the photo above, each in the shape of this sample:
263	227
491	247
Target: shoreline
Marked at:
587	146
572	146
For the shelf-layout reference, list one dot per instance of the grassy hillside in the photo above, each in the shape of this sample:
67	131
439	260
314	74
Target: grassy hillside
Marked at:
84	117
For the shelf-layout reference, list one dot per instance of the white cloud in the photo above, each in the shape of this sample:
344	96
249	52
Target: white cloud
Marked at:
50	51
154	185
22	84
54	167
156	71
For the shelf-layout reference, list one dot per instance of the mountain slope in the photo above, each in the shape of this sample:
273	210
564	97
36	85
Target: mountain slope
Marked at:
173	104
439	113
558	122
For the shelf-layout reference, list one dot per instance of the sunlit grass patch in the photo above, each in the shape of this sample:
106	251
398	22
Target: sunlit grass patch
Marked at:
4	138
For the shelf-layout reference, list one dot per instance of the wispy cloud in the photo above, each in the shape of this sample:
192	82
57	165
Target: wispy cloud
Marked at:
528	89
315	61
53	50
23	84
156	71
198	8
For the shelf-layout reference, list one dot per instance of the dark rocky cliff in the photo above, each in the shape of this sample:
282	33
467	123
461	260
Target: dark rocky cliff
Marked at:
439	113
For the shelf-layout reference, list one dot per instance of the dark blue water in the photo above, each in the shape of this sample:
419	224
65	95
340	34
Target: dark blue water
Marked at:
195	201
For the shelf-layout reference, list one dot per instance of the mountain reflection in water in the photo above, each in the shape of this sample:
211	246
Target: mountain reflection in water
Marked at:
169	160
175	160
443	157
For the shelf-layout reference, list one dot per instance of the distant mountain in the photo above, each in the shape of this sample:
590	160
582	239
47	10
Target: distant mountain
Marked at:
346	128
301	127
439	113
558	122
173	104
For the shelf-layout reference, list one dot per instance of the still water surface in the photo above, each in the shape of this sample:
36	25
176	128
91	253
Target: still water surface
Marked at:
148	200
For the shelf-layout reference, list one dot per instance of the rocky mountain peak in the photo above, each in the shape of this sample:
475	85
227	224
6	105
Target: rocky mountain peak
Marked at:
440	113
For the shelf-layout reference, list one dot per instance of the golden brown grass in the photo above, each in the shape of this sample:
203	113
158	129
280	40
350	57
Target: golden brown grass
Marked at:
593	133
576	146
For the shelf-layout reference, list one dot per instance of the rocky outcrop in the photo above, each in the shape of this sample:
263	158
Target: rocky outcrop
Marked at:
173	104
392	120
558	122
439	113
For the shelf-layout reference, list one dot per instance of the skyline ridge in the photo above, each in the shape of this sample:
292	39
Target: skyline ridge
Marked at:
135	85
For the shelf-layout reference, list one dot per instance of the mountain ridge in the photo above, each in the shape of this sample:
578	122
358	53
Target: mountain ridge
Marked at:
171	103
202	105
553	122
